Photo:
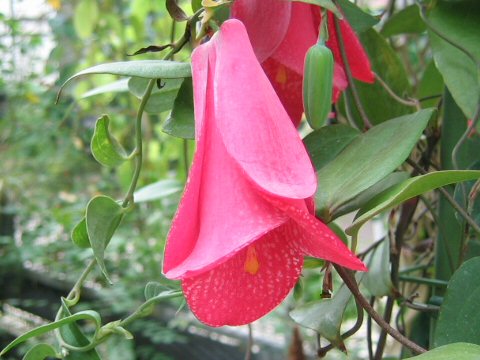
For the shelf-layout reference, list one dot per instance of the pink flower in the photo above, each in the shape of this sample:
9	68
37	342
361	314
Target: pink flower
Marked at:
281	32
246	218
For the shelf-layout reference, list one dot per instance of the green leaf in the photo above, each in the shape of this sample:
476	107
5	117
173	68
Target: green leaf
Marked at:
157	190
358	19
377	102
85	18
161	99
181	122
105	148
459	318
325	316
366	160
406	21
80	235
406	190
456	351
326	143
41	352
365	196
327	4
103	217
377	280
116	86
73	336
431	84
459	22
148	69
196	5
81	315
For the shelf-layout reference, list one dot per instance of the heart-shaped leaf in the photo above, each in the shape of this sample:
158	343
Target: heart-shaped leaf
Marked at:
80	235
105	148
103	217
181	122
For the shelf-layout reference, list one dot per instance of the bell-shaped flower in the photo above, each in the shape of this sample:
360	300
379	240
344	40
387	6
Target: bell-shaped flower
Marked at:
281	32
246	217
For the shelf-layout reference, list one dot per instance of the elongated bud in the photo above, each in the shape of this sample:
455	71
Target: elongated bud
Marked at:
317	84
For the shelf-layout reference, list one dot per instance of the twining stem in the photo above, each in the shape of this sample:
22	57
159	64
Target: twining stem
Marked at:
248	353
348	72
471	126
408	102
349	280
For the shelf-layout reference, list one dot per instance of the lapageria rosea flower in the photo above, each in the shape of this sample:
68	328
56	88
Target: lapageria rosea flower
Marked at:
281	32
246	217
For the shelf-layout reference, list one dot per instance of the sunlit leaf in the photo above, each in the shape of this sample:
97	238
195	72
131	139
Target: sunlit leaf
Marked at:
85	18
157	190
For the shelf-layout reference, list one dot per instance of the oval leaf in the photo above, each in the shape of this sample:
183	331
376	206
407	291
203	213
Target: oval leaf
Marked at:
103	217
357	18
85	18
80	235
459	318
157	190
377	280
406	190
366	160
327	4
105	148
406	21
41	352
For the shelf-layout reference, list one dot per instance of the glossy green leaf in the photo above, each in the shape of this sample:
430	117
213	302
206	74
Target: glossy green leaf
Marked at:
73	336
161	99
85	18
81	315
459	22
103	217
327	4
105	148
408	189
431	84
116	86
148	69
41	352
324	144
406	21
459	318
358	19
365	196
377	280
325	316
157	190
80	235
366	160
181	122
377	102
456	351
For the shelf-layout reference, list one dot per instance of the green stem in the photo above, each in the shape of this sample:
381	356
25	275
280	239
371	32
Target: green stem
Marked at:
424	281
138	151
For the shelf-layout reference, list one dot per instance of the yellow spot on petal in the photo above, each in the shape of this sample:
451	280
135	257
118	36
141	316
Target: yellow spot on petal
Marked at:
281	77
251	263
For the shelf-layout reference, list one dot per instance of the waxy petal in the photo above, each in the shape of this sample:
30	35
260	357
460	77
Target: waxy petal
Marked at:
255	128
265	31
230	295
356	55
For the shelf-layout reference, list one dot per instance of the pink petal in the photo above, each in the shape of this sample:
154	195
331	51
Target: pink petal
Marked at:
255	127
266	22
230	295
302	33
357	58
288	86
314	238
340	82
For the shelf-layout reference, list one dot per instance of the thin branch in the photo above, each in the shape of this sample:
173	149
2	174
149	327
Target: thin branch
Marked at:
348	72
408	102
369	331
248	353
349	280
